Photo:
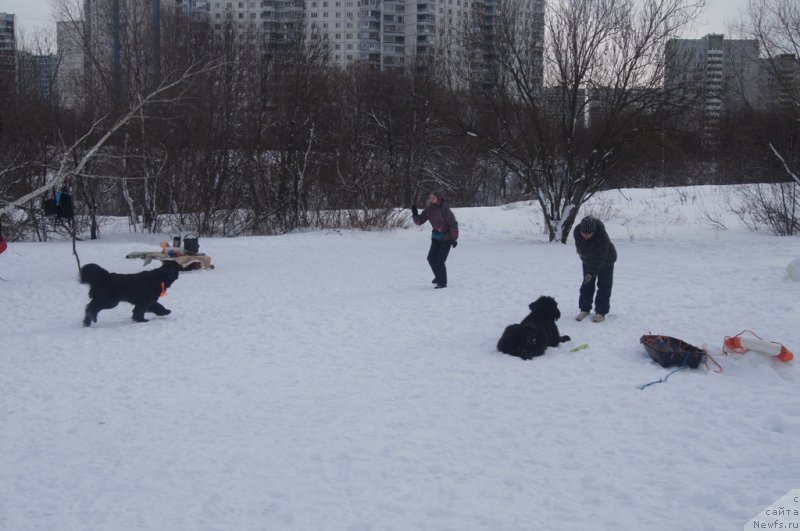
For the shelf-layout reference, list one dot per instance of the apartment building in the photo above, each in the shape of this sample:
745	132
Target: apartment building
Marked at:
8	53
38	76
714	75
384	34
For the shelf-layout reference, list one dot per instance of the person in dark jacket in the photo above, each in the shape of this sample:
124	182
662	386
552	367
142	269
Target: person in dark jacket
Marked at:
444	235
598	255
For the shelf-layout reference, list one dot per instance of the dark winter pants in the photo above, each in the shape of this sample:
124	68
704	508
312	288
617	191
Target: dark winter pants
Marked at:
602	303
437	256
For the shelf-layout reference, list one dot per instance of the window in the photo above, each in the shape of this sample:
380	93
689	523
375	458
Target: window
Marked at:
241	15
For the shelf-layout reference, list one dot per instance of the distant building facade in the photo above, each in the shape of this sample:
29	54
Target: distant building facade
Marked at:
71	79
715	74
38	77
8	53
780	82
384	34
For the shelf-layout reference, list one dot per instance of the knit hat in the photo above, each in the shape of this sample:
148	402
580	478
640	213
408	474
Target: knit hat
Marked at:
439	195
588	225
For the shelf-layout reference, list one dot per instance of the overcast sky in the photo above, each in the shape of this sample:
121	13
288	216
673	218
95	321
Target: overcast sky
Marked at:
32	13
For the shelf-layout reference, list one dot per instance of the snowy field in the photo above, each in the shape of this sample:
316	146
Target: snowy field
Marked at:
316	381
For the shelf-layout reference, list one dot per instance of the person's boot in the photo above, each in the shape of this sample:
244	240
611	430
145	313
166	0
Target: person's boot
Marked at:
581	316
435	281
598	318
440	286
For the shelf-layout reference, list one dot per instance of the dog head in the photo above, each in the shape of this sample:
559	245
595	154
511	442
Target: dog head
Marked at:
169	272
545	308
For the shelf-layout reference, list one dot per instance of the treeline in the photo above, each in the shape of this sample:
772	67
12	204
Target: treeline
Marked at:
252	138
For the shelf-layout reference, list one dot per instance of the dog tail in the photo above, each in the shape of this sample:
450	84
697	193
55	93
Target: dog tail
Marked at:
92	273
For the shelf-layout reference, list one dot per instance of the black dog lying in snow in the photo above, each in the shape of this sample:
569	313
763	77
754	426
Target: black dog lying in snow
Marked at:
535	333
106	290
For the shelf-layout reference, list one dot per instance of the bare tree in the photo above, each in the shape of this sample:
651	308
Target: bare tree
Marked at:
560	127
66	168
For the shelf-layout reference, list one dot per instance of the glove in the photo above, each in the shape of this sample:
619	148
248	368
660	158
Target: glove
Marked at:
587	278
455	244
414	210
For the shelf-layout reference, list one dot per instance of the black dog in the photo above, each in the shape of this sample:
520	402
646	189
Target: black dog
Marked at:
106	290
535	333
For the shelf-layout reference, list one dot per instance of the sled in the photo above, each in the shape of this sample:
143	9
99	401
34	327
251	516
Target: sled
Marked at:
672	352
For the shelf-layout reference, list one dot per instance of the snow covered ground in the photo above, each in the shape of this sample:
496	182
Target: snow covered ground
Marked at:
316	381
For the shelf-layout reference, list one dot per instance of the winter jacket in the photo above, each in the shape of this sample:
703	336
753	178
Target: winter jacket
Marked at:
443	221
596	252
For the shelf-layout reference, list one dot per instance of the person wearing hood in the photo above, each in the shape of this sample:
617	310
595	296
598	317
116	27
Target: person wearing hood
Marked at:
598	255
444	235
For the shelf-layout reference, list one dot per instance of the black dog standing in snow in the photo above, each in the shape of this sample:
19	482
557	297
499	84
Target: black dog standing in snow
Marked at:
106	290
535	333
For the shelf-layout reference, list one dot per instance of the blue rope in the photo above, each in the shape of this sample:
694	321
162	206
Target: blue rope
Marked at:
665	378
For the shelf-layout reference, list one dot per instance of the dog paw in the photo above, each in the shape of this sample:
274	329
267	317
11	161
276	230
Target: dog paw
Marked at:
564	339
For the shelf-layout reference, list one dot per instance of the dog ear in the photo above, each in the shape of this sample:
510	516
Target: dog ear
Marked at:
552	307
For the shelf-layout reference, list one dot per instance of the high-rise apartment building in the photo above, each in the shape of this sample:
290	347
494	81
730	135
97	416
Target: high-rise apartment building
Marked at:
8	53
103	35
385	34
38	76
717	75
780	82
714	74
71	71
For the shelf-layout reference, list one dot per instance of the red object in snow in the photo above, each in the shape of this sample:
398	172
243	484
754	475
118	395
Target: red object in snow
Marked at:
3	245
